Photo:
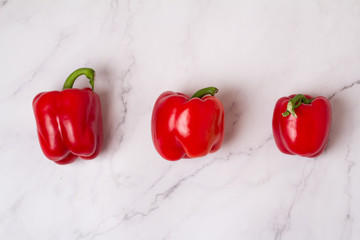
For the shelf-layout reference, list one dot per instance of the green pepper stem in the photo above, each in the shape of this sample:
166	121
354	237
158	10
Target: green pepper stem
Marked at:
88	72
295	102
205	91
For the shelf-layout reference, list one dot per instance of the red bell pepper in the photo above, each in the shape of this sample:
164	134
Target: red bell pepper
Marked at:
301	124
69	123
187	128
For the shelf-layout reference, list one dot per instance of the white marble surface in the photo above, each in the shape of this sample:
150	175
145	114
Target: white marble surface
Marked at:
254	51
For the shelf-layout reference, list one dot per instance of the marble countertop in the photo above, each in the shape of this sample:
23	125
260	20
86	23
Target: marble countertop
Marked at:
253	51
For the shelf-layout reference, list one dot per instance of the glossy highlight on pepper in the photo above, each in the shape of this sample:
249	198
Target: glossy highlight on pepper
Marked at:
301	125
69	122
184	127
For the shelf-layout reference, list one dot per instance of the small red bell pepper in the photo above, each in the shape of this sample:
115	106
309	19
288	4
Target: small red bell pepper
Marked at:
301	124
69	122
187	128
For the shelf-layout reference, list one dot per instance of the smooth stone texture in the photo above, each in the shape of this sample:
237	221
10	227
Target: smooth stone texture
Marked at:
253	51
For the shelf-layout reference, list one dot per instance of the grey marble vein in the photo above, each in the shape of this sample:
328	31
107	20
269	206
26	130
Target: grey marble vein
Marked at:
39	68
251	151
348	86
125	89
300	188
3	3
348	219
158	179
159	197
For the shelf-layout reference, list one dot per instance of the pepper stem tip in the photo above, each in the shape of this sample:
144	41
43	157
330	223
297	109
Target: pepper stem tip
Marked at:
294	103
88	72
205	91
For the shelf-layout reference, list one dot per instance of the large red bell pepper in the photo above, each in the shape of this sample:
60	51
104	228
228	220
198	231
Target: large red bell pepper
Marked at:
184	127
69	123
301	124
